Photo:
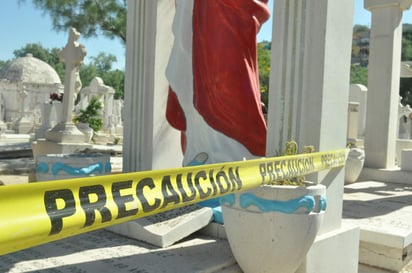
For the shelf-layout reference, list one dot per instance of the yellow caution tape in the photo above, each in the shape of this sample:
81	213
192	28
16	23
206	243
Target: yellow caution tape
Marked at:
37	213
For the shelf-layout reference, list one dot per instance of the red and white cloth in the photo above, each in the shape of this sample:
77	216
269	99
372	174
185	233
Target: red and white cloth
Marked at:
214	96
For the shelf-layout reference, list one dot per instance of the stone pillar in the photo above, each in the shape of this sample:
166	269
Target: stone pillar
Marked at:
308	100
383	81
149	141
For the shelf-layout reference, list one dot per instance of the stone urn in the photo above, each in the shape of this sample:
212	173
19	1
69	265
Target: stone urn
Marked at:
86	130
354	164
271	228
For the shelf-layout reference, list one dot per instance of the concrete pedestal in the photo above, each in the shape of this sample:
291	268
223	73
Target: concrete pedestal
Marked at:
336	252
43	146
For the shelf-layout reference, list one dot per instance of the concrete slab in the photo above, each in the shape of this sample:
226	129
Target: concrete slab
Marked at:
105	252
395	175
384	213
25	165
6	179
165	229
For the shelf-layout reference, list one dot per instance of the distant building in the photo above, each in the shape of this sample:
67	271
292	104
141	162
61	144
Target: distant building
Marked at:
25	84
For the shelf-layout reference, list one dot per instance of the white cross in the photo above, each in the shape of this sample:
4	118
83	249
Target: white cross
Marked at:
72	55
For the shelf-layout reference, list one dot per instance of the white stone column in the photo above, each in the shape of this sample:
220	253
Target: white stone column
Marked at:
383	81
149	142
308	100
309	86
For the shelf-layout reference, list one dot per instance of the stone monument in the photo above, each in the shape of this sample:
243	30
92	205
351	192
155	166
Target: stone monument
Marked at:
64	137
26	83
105	95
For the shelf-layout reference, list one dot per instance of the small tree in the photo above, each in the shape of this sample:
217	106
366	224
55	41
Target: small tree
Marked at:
91	115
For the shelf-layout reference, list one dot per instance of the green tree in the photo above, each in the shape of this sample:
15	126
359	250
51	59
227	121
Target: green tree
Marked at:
360	28
91	115
101	66
263	51
405	87
358	75
87	73
2	63
89	17
103	62
115	79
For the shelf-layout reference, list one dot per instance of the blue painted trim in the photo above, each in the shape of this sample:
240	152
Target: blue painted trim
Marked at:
308	202
227	199
108	167
323	203
57	167
42	167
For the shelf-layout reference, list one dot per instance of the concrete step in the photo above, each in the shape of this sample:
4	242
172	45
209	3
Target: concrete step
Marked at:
384	213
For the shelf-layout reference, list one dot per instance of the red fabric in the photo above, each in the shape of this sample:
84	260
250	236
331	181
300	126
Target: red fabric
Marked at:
225	72
176	116
174	112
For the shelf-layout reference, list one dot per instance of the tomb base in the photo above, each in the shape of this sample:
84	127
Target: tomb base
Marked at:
384	256
44	146
65	132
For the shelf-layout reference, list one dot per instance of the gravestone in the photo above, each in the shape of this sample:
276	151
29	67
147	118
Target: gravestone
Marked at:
105	95
353	118
358	94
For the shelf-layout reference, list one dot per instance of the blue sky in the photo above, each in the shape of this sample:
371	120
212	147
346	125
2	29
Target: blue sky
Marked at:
23	24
